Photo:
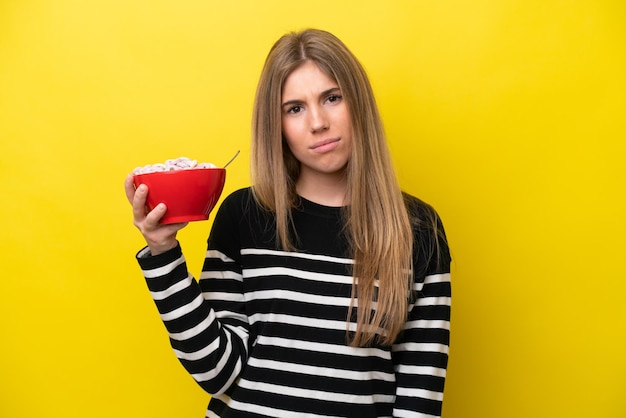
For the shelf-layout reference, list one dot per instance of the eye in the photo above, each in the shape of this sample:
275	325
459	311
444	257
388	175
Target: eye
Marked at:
333	98
294	109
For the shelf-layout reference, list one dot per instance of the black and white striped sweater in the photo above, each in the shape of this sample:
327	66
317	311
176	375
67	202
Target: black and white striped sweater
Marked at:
264	330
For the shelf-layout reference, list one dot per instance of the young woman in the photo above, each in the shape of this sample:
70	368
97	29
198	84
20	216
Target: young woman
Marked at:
325	290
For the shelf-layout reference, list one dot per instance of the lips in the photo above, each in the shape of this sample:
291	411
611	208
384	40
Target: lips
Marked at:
325	145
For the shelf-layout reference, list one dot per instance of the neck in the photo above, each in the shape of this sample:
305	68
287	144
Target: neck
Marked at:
327	190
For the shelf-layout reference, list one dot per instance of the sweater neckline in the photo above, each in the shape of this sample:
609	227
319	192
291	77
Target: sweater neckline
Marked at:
310	207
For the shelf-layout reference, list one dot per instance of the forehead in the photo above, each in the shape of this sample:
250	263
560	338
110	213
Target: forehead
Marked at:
307	76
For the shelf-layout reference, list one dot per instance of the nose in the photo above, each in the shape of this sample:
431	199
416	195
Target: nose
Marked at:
319	120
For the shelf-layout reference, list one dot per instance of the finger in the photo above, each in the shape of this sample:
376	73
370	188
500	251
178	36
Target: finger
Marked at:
139	202
154	216
129	188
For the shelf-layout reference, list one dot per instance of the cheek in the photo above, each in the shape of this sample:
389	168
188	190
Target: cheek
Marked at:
288	137
286	127
291	131
342	119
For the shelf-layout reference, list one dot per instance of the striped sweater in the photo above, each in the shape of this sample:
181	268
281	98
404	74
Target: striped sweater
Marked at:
264	330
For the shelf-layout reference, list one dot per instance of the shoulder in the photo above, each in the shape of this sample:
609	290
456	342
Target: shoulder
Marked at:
421	214
234	206
239	201
242	206
241	223
238	196
430	242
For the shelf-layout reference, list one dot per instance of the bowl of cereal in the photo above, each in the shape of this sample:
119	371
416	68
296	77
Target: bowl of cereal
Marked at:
188	189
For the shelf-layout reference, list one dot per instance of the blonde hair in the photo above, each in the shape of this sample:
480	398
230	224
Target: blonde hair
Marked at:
377	223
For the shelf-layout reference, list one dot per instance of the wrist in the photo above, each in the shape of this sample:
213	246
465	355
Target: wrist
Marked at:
160	248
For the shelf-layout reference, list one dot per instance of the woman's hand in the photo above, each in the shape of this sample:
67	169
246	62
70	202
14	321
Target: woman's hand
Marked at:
159	237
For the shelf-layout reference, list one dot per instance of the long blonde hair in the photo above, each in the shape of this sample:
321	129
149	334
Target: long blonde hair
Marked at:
377	223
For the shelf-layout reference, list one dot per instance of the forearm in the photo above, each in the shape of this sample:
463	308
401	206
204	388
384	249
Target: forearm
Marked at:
210	352
421	355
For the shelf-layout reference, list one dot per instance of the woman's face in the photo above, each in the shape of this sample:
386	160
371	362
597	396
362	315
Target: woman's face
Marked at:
316	123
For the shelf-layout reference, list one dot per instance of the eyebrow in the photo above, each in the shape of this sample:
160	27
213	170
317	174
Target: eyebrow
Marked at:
322	94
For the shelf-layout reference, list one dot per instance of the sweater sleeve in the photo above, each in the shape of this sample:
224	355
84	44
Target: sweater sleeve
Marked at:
207	329
420	355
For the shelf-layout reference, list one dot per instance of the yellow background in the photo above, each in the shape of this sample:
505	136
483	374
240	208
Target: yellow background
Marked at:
508	116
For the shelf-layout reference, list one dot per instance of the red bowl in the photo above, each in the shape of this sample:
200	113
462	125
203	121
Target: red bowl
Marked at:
189	195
